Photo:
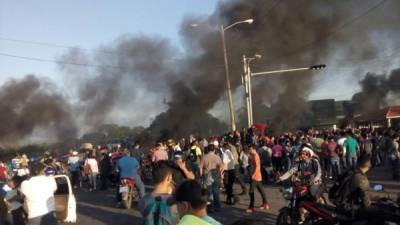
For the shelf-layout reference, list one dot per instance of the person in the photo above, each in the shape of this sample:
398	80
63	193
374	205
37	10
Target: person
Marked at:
182	165
14	199
342	150
265	153
160	154
156	207
308	170
211	168
192	206
395	157
355	198
138	152
277	152
92	170
74	168
229	173
16	163
105	169
255	180
351	146
244	164
3	171
40	204
333	154
127	167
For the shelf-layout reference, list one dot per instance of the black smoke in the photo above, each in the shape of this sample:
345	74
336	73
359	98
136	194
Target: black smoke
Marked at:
187	82
31	103
376	90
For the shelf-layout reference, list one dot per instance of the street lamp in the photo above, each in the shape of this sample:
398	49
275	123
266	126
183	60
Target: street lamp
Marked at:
246	79
228	83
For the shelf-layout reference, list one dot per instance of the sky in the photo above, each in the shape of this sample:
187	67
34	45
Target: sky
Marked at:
90	24
83	24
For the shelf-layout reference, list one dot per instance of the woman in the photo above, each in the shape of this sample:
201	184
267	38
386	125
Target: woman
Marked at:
92	170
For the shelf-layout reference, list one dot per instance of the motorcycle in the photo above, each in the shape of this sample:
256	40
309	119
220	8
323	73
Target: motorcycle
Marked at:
382	211
128	192
296	195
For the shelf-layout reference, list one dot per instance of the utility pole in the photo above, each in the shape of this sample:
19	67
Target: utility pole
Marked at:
228	83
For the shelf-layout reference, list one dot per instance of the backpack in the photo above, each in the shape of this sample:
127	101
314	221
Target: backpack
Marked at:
341	188
157	212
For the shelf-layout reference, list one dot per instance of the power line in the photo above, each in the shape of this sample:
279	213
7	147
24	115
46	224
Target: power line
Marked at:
348	23
55	45
56	61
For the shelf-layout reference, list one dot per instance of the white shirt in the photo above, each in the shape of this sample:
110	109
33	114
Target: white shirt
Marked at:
227	159
341	143
92	163
39	195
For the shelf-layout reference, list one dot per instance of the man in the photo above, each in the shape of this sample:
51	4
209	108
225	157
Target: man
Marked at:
39	197
74	164
308	170
127	167
138	152
342	150
160	154
265	153
255	180
211	168
351	146
182	165
161	197
229	173
333	154
192	207
355	198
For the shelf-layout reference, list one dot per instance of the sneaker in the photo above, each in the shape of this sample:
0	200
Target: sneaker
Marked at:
249	210
264	206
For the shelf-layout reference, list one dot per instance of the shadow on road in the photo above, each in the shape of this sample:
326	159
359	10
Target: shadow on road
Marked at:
105	216
230	214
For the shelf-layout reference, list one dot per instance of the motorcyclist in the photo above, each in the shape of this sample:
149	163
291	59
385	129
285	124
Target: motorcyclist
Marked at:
307	170
127	167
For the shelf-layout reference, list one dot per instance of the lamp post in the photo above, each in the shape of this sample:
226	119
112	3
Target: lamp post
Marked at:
227	76
246	80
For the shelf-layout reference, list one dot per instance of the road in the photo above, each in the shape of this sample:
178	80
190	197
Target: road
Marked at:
98	208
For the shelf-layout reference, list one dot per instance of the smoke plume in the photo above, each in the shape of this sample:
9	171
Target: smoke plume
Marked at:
375	91
173	89
28	104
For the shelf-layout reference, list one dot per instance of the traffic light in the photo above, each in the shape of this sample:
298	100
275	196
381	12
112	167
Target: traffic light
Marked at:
317	67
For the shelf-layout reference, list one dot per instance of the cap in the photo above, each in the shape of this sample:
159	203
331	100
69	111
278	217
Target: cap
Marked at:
309	150
215	143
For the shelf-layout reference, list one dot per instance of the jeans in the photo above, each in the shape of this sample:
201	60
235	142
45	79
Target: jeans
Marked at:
334	168
229	179
140	185
18	217
343	162
352	160
93	180
75	178
47	219
213	190
256	184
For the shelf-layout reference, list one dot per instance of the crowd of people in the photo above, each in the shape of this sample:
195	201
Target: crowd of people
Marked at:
190	175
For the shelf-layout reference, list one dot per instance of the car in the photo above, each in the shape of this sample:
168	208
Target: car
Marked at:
65	200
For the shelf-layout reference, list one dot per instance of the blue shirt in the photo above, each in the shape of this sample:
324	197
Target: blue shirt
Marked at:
127	167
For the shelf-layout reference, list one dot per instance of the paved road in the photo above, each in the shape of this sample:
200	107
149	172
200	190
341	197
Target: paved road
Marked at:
98	208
